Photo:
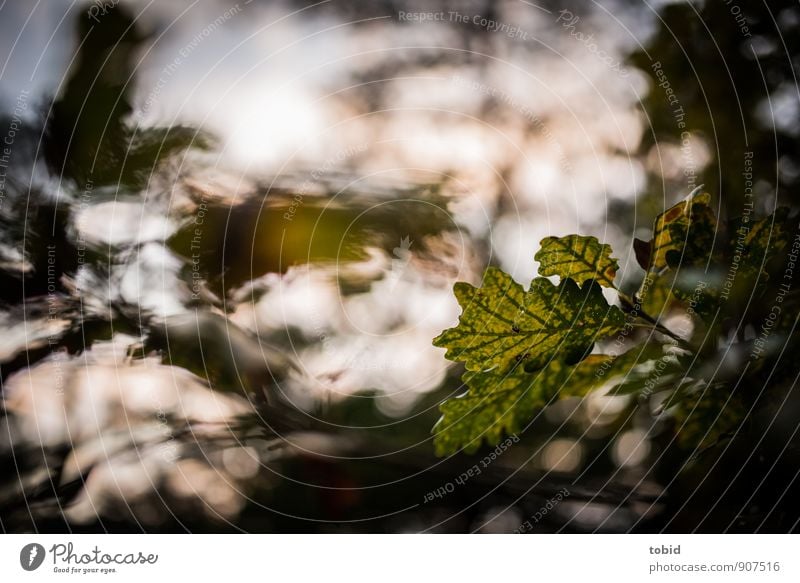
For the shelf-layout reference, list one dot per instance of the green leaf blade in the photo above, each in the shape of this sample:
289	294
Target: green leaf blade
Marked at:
494	406
502	325
707	417
755	247
691	221
683	236
497	404
578	258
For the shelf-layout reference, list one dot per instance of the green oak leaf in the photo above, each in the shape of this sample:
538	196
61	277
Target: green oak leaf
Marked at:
655	293
757	245
695	288
648	370
502	324
698	289
498	404
683	235
495	404
578	258
696	238
771	232
706	416
671	230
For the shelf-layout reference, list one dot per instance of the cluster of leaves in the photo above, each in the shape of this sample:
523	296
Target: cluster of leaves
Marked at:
525	349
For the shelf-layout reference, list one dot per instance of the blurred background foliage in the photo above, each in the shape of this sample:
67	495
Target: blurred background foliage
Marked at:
276	374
